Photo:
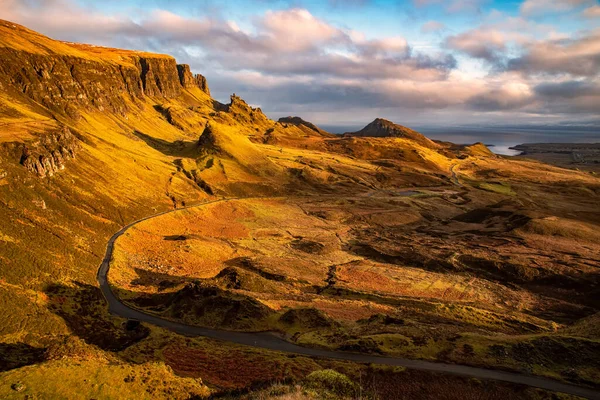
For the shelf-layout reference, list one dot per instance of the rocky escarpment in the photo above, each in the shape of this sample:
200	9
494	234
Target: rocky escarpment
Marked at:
50	153
68	77
69	84
160	76
189	80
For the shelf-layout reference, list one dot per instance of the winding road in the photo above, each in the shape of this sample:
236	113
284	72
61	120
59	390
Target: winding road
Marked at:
273	342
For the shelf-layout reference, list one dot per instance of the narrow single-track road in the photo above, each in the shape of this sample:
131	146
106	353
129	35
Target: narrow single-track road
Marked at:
273	342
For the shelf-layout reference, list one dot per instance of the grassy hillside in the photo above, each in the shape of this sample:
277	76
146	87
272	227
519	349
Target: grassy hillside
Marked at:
93	138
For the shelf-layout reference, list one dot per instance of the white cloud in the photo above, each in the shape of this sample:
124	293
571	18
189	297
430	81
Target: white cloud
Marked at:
532	7
290	59
453	6
479	43
592	12
578	56
432	26
297	29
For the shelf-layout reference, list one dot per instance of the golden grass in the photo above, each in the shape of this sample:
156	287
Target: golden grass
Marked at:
136	164
99	379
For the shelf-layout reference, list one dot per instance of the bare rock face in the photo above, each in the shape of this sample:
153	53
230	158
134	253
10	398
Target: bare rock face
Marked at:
66	84
70	84
202	83
207	138
50	154
160	77
237	104
189	80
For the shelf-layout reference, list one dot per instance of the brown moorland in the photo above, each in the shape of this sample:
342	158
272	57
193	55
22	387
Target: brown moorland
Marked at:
392	244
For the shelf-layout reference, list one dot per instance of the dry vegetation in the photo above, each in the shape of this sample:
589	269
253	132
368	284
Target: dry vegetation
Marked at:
383	245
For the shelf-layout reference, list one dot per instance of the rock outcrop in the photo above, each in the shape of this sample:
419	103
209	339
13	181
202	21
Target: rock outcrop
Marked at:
50	154
245	114
207	138
68	84
215	307
189	80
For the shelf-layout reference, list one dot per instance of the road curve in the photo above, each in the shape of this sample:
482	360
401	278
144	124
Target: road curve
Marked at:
272	342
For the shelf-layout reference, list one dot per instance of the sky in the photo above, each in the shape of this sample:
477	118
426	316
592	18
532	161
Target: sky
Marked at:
346	62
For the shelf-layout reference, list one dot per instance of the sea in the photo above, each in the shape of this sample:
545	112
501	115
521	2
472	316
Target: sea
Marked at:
501	139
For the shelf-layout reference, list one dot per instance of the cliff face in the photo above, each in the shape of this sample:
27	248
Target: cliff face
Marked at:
159	77
66	83
189	80
67	77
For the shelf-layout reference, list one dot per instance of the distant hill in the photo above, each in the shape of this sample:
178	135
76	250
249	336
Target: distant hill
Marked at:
382	128
300	123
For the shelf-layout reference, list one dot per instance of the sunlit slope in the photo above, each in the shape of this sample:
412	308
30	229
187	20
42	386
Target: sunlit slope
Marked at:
93	138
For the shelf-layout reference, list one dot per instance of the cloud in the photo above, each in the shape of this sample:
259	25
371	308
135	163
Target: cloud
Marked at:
568	89
63	17
432	27
454	6
577	56
487	44
534	7
499	36
291	60
592	12
572	97
298	30
509	96
334	93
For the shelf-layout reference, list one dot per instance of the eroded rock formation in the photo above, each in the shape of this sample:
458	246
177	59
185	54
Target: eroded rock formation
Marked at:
189	80
244	113
50	153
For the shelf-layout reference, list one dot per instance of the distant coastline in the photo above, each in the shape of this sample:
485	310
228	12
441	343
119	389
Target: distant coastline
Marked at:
501	139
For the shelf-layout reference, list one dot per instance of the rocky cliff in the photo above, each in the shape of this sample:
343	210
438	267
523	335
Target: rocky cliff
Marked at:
189	80
68	77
